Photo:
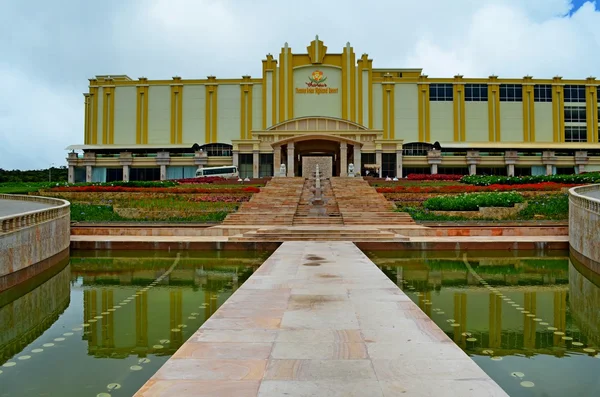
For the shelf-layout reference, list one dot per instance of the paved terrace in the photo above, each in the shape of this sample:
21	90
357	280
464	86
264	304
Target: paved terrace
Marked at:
319	319
14	207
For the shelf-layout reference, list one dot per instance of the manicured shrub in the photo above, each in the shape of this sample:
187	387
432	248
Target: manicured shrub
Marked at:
579	179
473	201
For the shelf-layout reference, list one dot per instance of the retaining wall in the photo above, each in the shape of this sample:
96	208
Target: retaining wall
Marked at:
32	237
584	225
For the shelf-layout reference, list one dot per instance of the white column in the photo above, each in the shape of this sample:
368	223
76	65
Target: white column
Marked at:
276	160
549	169
71	177
255	163
125	173
88	173
472	169
343	159
357	160
236	158
163	172
399	163
290	159
510	171
434	169
378	161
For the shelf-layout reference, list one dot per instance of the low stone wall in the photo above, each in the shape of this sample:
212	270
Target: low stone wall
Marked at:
584	224
32	237
487	212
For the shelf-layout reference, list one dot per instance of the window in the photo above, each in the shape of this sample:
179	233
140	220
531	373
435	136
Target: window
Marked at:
416	149
476	92
388	165
217	149
575	114
511	92
575	133
440	92
245	165
265	167
542	93
574	93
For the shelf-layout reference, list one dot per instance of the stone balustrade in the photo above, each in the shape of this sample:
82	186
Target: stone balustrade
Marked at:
584	225
39	237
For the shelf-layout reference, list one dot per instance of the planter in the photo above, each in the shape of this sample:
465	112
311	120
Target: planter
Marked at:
138	213
487	212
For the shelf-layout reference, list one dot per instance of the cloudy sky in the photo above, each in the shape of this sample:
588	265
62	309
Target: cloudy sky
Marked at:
49	49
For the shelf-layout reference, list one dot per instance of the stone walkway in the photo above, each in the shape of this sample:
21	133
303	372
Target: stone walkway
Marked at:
319	319
14	207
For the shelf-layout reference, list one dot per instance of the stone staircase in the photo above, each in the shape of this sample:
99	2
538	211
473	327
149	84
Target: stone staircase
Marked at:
360	204
318	233
276	204
306	214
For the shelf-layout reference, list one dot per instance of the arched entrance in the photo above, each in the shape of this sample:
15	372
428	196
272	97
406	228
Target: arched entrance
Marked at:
301	153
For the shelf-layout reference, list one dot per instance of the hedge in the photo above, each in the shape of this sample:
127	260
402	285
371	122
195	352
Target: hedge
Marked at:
473	201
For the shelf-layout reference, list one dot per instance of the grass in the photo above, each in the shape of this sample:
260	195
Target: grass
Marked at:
552	207
105	213
23	187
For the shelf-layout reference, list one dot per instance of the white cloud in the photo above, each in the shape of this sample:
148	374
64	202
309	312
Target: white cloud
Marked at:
41	111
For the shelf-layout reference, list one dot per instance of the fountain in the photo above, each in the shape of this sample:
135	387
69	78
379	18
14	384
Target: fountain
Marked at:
317	202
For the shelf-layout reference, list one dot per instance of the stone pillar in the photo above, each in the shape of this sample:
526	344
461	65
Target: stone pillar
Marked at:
357	160
473	158
511	157
343	159
434	158
255	163
378	161
549	160
235	158
89	160
290	159
200	159
163	159
72	161
125	159
276	160
581	159
399	163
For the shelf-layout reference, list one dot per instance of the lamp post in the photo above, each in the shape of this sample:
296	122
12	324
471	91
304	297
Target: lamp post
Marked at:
50	172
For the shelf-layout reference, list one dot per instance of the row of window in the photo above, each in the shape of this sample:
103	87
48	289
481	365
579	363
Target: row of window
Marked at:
508	92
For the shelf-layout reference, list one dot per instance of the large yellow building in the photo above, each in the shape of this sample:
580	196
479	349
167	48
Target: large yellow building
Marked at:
335	104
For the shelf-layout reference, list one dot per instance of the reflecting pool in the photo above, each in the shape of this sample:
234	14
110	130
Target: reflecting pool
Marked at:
104	323
531	322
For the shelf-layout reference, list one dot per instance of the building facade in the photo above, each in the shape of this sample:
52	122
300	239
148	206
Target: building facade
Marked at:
335	105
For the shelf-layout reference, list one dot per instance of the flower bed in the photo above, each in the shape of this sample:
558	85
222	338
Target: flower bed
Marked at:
126	189
433	177
459	188
578	179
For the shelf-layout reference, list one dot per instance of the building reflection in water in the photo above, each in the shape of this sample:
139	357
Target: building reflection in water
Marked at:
27	312
159	320
553	308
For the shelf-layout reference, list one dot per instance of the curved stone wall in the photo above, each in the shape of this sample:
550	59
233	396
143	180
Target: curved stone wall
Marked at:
584	225
33	237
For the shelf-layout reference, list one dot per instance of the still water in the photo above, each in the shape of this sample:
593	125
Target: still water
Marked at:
104	323
531	322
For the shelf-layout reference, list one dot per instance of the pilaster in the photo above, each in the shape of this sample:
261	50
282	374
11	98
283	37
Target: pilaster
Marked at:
549	159
126	160
290	160
343	159
434	159
163	159
473	158
581	160
511	158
